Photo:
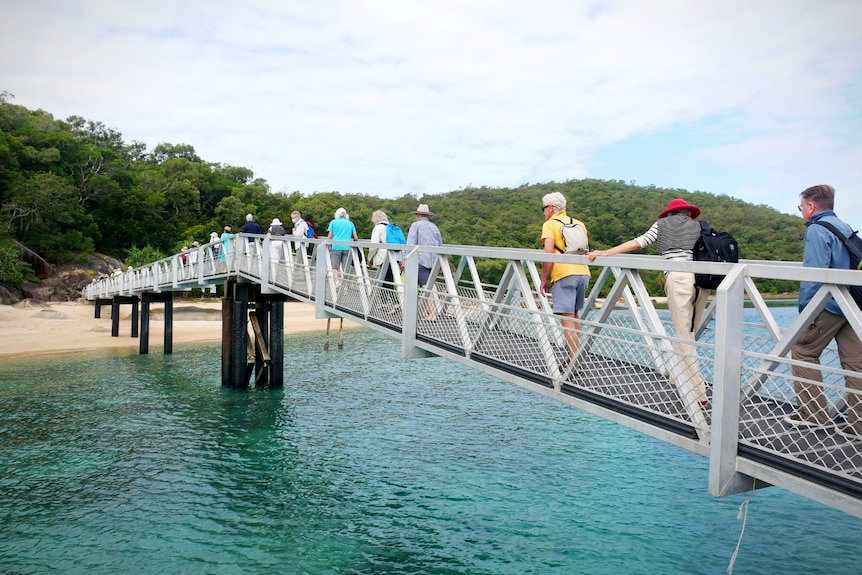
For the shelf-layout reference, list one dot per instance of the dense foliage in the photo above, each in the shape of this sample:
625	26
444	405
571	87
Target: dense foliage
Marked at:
74	187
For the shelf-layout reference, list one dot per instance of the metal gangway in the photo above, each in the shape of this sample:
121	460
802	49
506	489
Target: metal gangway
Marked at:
626	369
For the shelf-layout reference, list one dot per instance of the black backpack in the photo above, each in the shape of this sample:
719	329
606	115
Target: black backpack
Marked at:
713	246
854	246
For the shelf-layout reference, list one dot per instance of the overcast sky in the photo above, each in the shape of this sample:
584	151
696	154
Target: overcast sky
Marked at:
751	99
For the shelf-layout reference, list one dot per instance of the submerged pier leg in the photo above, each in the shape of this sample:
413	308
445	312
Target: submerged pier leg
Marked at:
144	345
265	357
276	341
269	341
169	322
261	345
235	335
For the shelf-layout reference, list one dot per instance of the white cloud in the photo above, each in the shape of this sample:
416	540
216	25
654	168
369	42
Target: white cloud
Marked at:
387	98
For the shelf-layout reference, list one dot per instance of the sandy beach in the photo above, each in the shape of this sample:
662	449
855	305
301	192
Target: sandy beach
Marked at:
29	328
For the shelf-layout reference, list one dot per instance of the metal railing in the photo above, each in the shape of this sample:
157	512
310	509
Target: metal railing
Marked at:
625	369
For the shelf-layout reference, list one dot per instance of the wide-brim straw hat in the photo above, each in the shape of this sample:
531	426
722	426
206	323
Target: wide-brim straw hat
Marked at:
227	228
680	204
423	210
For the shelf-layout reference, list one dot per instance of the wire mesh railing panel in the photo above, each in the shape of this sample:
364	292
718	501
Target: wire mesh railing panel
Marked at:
632	370
385	304
517	338
352	292
438	317
618	330
798	418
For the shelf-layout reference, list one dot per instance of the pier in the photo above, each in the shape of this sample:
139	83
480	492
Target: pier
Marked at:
625	369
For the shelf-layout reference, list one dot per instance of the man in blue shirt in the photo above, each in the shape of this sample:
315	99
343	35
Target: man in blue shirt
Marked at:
824	250
423	232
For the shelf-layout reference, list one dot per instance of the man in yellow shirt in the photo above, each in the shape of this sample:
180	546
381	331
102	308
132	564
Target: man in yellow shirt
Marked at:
569	280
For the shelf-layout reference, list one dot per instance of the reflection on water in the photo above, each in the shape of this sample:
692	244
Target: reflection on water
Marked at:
364	463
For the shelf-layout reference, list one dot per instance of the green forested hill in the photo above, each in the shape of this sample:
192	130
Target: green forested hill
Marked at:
72	187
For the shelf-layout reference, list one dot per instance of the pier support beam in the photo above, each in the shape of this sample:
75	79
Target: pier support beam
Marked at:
265	355
276	340
146	299
116	302
99	303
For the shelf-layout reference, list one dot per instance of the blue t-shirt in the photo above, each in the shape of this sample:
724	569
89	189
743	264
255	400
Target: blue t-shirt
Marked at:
342	229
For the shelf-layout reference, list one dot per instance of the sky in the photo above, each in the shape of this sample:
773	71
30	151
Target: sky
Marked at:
752	100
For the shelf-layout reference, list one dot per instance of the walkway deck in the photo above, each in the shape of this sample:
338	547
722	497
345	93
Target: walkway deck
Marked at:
626	369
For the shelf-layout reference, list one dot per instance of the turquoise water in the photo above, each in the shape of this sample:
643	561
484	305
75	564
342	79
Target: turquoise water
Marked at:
363	464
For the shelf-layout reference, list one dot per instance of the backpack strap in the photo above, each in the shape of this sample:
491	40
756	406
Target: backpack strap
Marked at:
844	239
562	223
831	227
704	228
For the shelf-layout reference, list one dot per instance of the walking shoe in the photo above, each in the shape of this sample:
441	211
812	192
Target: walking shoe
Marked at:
797	420
846	430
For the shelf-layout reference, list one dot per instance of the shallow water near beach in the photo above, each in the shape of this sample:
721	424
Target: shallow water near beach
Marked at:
363	464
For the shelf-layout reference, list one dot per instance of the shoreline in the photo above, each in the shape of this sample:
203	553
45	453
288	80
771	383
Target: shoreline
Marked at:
29	329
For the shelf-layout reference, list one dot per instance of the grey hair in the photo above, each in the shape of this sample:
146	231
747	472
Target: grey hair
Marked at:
341	213
249	217
822	196
555	199
379	216
296	213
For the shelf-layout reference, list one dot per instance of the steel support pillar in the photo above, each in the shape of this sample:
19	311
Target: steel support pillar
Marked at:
276	342
116	302
146	299
244	308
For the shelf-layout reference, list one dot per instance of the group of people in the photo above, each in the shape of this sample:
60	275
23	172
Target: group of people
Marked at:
422	232
221	244
340	229
675	232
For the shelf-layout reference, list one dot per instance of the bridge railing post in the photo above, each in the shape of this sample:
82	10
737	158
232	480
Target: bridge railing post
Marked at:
411	306
724	438
320	278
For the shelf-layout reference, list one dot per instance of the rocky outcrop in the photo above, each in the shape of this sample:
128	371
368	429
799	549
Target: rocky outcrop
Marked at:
63	283
103	265
9	296
41	268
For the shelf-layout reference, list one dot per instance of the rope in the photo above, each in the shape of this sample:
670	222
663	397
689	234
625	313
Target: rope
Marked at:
742	514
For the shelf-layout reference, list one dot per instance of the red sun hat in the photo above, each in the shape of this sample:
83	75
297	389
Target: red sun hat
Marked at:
680	204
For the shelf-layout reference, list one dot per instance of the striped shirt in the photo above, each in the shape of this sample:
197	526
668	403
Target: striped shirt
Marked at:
676	235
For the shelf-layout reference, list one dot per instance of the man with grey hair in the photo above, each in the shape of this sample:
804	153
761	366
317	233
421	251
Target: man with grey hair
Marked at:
251	227
424	232
569	280
300	227
823	249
